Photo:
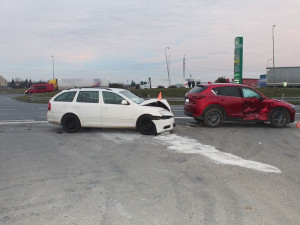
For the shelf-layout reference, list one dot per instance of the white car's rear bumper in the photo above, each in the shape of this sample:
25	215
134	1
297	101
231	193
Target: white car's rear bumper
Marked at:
53	118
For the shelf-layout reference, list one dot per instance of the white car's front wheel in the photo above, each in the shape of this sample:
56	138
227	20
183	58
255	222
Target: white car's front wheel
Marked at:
146	126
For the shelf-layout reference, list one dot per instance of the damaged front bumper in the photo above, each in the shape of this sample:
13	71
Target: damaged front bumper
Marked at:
164	124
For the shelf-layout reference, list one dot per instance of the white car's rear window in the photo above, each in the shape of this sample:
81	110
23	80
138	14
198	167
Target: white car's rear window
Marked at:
65	97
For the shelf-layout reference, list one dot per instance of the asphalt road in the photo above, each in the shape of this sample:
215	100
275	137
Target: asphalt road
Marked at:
236	174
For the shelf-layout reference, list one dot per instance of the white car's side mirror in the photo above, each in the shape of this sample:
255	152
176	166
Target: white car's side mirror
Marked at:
124	102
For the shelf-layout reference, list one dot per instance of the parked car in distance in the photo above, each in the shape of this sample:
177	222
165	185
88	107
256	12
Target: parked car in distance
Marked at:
40	88
109	108
214	103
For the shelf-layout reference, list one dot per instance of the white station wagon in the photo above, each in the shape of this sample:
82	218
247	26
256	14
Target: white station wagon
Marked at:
109	108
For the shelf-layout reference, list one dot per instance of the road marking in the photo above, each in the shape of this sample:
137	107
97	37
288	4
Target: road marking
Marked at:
18	109
5	122
192	146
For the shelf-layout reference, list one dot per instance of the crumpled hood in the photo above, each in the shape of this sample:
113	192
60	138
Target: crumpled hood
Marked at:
157	103
279	101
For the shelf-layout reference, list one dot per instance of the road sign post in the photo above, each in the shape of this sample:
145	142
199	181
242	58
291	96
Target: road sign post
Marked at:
238	60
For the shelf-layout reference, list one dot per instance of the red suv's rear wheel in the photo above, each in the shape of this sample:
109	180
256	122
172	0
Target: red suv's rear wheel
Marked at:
213	117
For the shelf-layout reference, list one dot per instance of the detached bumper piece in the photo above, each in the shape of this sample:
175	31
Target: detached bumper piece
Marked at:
164	124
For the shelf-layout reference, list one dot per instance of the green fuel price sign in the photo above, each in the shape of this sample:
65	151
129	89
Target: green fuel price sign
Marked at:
238	60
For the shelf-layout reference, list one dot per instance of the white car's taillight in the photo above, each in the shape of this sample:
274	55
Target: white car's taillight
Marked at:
49	106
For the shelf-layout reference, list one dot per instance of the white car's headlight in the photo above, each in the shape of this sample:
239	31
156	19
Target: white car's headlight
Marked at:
165	113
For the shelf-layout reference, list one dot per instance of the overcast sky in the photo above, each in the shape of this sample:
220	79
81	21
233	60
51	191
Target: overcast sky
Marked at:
125	40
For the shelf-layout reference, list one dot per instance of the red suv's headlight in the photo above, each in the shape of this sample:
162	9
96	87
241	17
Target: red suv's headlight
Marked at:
198	97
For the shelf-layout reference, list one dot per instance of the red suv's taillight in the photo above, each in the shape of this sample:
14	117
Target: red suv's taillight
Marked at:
49	106
193	99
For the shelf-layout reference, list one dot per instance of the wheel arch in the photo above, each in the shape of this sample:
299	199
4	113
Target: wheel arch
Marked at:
141	117
69	114
280	108
214	106
145	129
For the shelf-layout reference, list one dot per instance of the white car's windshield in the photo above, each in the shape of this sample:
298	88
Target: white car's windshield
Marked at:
132	97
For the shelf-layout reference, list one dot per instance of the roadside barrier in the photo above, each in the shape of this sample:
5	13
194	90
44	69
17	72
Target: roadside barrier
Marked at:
287	99
33	98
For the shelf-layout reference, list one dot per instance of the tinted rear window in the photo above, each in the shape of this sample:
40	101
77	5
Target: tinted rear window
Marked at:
197	89
228	91
65	97
88	96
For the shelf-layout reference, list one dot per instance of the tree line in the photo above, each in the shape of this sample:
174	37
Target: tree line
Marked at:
20	83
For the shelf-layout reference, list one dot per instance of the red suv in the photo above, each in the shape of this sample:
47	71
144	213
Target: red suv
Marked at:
214	103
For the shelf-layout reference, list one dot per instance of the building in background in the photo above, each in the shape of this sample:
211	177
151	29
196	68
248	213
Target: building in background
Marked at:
3	82
251	82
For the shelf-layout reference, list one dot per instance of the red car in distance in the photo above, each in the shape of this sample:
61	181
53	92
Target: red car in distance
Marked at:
40	88
214	103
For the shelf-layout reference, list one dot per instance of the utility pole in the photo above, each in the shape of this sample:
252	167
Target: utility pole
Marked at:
169	70
167	64
184	66
273	45
53	66
273	55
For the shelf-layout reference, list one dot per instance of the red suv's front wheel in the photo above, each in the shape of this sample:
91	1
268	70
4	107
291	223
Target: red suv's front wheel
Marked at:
280	118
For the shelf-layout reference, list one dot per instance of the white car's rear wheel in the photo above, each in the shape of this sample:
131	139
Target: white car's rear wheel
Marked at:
71	123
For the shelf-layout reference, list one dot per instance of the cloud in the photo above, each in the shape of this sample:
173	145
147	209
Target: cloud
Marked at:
93	35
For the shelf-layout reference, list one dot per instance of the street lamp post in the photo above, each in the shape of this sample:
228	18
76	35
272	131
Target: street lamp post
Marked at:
273	44
273	55
169	70
167	64
53	66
